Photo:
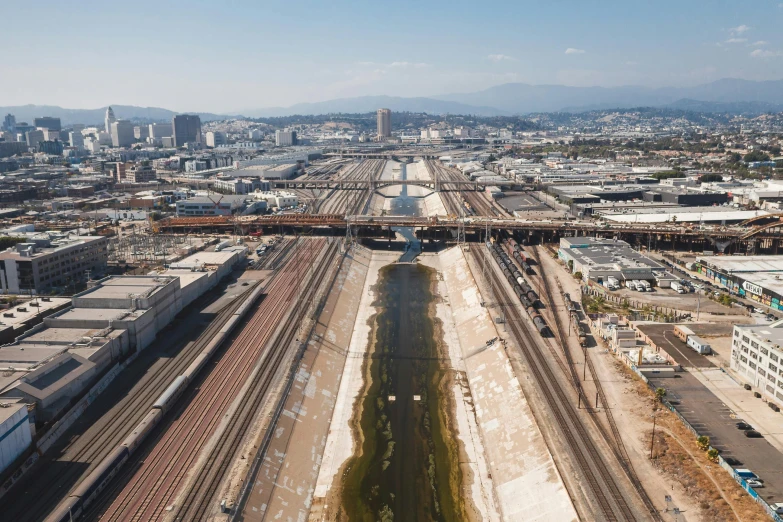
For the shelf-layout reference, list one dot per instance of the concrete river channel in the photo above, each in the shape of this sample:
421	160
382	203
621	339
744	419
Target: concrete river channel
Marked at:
407	467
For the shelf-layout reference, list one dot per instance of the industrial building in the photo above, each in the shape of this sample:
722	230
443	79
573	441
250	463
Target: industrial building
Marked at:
598	259
654	213
117	317
277	198
241	185
757	358
43	264
759	278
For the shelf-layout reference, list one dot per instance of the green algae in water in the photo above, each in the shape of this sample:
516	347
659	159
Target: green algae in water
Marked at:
408	469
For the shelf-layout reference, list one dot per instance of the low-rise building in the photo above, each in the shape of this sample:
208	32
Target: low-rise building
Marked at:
214	205
757	358
597	259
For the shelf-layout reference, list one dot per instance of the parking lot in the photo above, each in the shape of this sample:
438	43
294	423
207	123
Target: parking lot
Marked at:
711	417
662	336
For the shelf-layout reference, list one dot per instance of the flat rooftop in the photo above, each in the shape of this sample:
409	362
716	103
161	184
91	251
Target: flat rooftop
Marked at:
743	264
99	314
59	336
26	356
9	411
124	287
21	317
772	333
204	258
683	217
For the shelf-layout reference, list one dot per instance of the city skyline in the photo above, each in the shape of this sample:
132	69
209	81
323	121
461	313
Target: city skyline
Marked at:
568	44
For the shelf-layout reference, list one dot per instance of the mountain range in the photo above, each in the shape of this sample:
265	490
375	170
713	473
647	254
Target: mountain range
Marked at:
729	95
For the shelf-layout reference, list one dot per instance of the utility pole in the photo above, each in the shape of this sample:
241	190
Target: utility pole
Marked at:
652	441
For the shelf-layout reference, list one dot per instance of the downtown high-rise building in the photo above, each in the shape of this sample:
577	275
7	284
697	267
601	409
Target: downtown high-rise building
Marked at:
49	123
109	119
122	133
285	138
9	123
384	123
186	128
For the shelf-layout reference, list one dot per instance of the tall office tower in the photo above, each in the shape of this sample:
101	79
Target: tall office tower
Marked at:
109	119
141	132
122	133
47	122
76	140
160	130
34	137
50	134
9	123
285	138
186	129
384	123
214	139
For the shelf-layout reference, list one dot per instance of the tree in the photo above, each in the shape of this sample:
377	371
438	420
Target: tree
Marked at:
755	155
712	454
703	442
660	393
674	219
666	174
578	276
707	178
571	265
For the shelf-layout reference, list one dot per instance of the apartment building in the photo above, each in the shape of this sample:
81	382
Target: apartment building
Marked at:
757	358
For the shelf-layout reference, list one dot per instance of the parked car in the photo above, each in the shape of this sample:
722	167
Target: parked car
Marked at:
752	434
744	426
731	461
755	483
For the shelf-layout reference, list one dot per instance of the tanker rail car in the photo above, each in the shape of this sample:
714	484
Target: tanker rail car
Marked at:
522	289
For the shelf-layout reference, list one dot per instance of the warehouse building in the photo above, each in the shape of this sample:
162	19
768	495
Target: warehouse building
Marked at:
598	259
15	431
757	358
759	278
55	361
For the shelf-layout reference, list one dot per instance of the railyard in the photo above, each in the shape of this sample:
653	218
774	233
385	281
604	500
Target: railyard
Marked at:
249	406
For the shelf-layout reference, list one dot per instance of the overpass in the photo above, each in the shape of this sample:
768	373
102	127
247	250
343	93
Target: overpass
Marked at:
387	155
435	184
663	236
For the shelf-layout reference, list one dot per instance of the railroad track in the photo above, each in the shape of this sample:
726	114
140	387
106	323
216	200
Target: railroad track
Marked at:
597	475
149	481
206	483
614	439
92	446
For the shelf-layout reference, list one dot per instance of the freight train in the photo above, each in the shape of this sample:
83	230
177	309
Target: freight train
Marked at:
527	296
578	327
73	506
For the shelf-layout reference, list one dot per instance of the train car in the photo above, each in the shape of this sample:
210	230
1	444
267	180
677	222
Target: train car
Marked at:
527	268
531	311
525	301
67	511
541	326
525	286
513	244
90	487
141	431
532	296
520	281
171	394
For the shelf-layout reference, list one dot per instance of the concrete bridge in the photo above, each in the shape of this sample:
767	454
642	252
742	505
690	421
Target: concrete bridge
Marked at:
386	155
659	236
436	184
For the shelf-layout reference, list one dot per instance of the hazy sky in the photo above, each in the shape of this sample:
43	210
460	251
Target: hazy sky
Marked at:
223	55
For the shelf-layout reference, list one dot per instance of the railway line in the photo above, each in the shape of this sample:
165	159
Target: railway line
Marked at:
148	484
204	485
598	477
468	203
613	437
36	499
353	200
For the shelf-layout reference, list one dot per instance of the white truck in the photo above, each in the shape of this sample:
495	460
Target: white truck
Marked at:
631	285
677	287
612	283
223	244
647	286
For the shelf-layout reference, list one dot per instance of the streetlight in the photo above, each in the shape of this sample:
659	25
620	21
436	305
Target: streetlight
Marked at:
652	441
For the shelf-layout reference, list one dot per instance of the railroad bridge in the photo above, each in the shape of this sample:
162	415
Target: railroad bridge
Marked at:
760	239
434	184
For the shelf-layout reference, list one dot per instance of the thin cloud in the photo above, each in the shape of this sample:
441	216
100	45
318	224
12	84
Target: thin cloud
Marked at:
572	50
736	40
759	43
409	64
765	53
739	29
631	62
500	58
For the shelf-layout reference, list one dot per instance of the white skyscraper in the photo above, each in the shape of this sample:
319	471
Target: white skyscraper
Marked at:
122	133
110	118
